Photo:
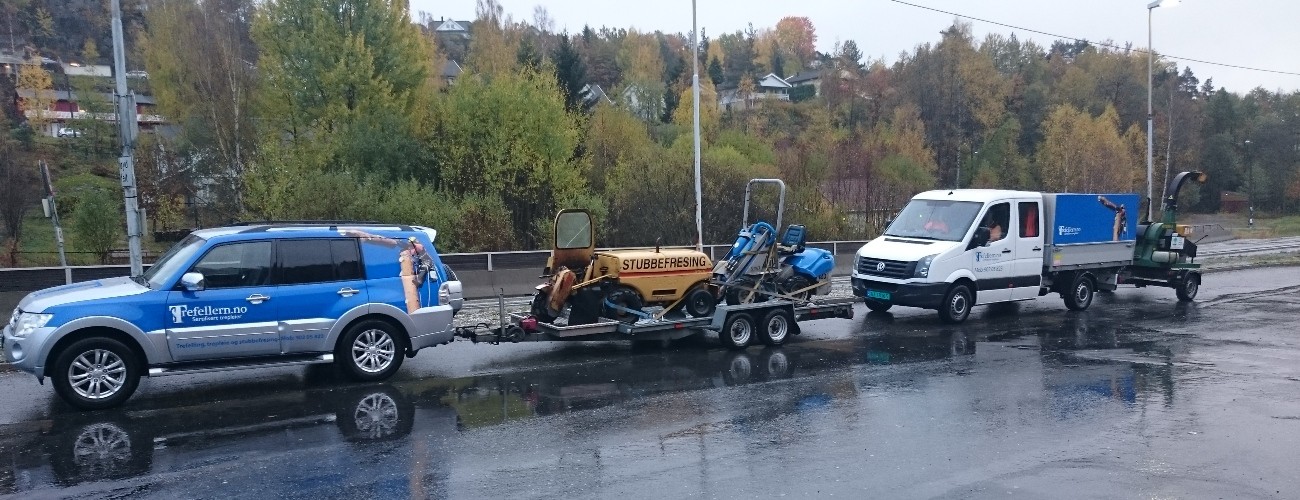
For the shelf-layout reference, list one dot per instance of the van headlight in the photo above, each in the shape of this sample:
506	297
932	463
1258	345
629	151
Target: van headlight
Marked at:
923	266
26	323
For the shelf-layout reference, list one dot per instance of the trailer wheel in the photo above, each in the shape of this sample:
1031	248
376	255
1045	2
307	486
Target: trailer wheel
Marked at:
775	327
738	331
877	306
956	304
700	303
1191	284
1079	296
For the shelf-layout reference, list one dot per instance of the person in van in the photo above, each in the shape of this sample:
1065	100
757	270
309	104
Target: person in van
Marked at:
997	219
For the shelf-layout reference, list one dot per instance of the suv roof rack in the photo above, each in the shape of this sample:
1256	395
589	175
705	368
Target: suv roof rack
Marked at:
304	222
262	226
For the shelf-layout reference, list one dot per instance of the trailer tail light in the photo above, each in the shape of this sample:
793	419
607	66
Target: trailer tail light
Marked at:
678	326
529	324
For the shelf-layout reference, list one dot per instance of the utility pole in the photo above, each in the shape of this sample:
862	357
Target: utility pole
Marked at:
127	130
52	211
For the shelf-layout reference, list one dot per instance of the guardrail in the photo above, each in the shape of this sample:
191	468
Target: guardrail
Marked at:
26	279
527	259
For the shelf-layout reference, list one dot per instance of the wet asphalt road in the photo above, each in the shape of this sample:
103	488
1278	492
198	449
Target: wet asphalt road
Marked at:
1138	397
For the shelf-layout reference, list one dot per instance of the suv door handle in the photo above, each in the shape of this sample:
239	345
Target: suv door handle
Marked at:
348	291
257	298
1006	250
1038	249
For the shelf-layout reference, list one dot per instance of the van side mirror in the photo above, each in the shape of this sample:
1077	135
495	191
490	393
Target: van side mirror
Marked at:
980	238
192	282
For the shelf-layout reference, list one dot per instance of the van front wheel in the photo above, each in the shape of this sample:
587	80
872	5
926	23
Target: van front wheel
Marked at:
956	304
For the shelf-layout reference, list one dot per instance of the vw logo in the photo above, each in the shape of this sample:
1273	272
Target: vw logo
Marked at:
880	266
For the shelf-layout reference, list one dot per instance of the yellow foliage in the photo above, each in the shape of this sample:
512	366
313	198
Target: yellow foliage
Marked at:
32	77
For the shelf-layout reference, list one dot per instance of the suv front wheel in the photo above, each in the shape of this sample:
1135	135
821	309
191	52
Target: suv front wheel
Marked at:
370	350
96	373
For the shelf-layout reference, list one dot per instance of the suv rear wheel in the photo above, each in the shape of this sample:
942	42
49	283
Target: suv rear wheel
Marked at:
96	373
370	350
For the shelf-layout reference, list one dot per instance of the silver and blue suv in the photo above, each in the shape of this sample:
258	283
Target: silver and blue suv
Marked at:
268	294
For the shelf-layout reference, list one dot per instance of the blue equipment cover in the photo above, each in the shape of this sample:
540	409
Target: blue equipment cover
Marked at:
812	262
1094	218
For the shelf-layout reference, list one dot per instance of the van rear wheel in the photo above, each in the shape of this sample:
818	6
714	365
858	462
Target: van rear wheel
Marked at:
1079	296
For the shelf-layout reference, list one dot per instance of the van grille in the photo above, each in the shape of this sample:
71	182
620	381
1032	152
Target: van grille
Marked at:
892	269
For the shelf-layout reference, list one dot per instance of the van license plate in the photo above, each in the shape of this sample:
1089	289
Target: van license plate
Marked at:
874	294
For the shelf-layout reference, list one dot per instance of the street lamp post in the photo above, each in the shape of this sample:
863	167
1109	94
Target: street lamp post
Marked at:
695	100
1150	108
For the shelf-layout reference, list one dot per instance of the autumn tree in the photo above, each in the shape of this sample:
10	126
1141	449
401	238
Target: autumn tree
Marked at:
1086	154
960	94
643	69
512	140
359	106
797	37
738	51
35	89
495	48
710	115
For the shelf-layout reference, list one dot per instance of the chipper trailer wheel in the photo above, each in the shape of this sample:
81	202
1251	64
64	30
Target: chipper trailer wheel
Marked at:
1186	291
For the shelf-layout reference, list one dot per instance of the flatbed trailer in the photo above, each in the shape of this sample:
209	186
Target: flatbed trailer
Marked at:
738	326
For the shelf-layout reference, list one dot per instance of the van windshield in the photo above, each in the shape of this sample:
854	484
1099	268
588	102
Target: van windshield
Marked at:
934	220
171	261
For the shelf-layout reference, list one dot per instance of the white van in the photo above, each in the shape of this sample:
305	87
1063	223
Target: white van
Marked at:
949	250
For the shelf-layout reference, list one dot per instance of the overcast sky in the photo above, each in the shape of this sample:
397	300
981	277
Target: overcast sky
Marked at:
1255	33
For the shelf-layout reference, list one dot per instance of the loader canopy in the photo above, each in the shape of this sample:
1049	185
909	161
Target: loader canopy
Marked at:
575	240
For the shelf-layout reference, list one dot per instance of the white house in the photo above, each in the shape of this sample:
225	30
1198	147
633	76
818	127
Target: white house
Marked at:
768	87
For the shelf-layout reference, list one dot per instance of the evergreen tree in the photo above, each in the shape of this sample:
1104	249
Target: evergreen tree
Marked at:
715	71
571	74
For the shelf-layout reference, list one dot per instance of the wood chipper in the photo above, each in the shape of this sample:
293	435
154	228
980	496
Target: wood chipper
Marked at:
618	284
1165	251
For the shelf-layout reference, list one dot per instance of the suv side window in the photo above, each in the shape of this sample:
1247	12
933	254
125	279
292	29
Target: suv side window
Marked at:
317	261
347	259
236	265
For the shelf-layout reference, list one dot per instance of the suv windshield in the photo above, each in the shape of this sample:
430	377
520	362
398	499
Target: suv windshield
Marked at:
934	220
171	261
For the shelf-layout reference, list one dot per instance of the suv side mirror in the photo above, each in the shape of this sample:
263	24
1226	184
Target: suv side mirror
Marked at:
980	238
192	282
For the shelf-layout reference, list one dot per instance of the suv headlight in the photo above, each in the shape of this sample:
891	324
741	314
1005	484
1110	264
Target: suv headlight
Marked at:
26	323
923	266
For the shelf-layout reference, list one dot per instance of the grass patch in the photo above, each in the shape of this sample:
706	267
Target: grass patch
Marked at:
1270	228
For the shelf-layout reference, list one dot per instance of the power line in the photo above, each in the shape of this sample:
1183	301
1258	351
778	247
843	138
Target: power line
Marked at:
1102	44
